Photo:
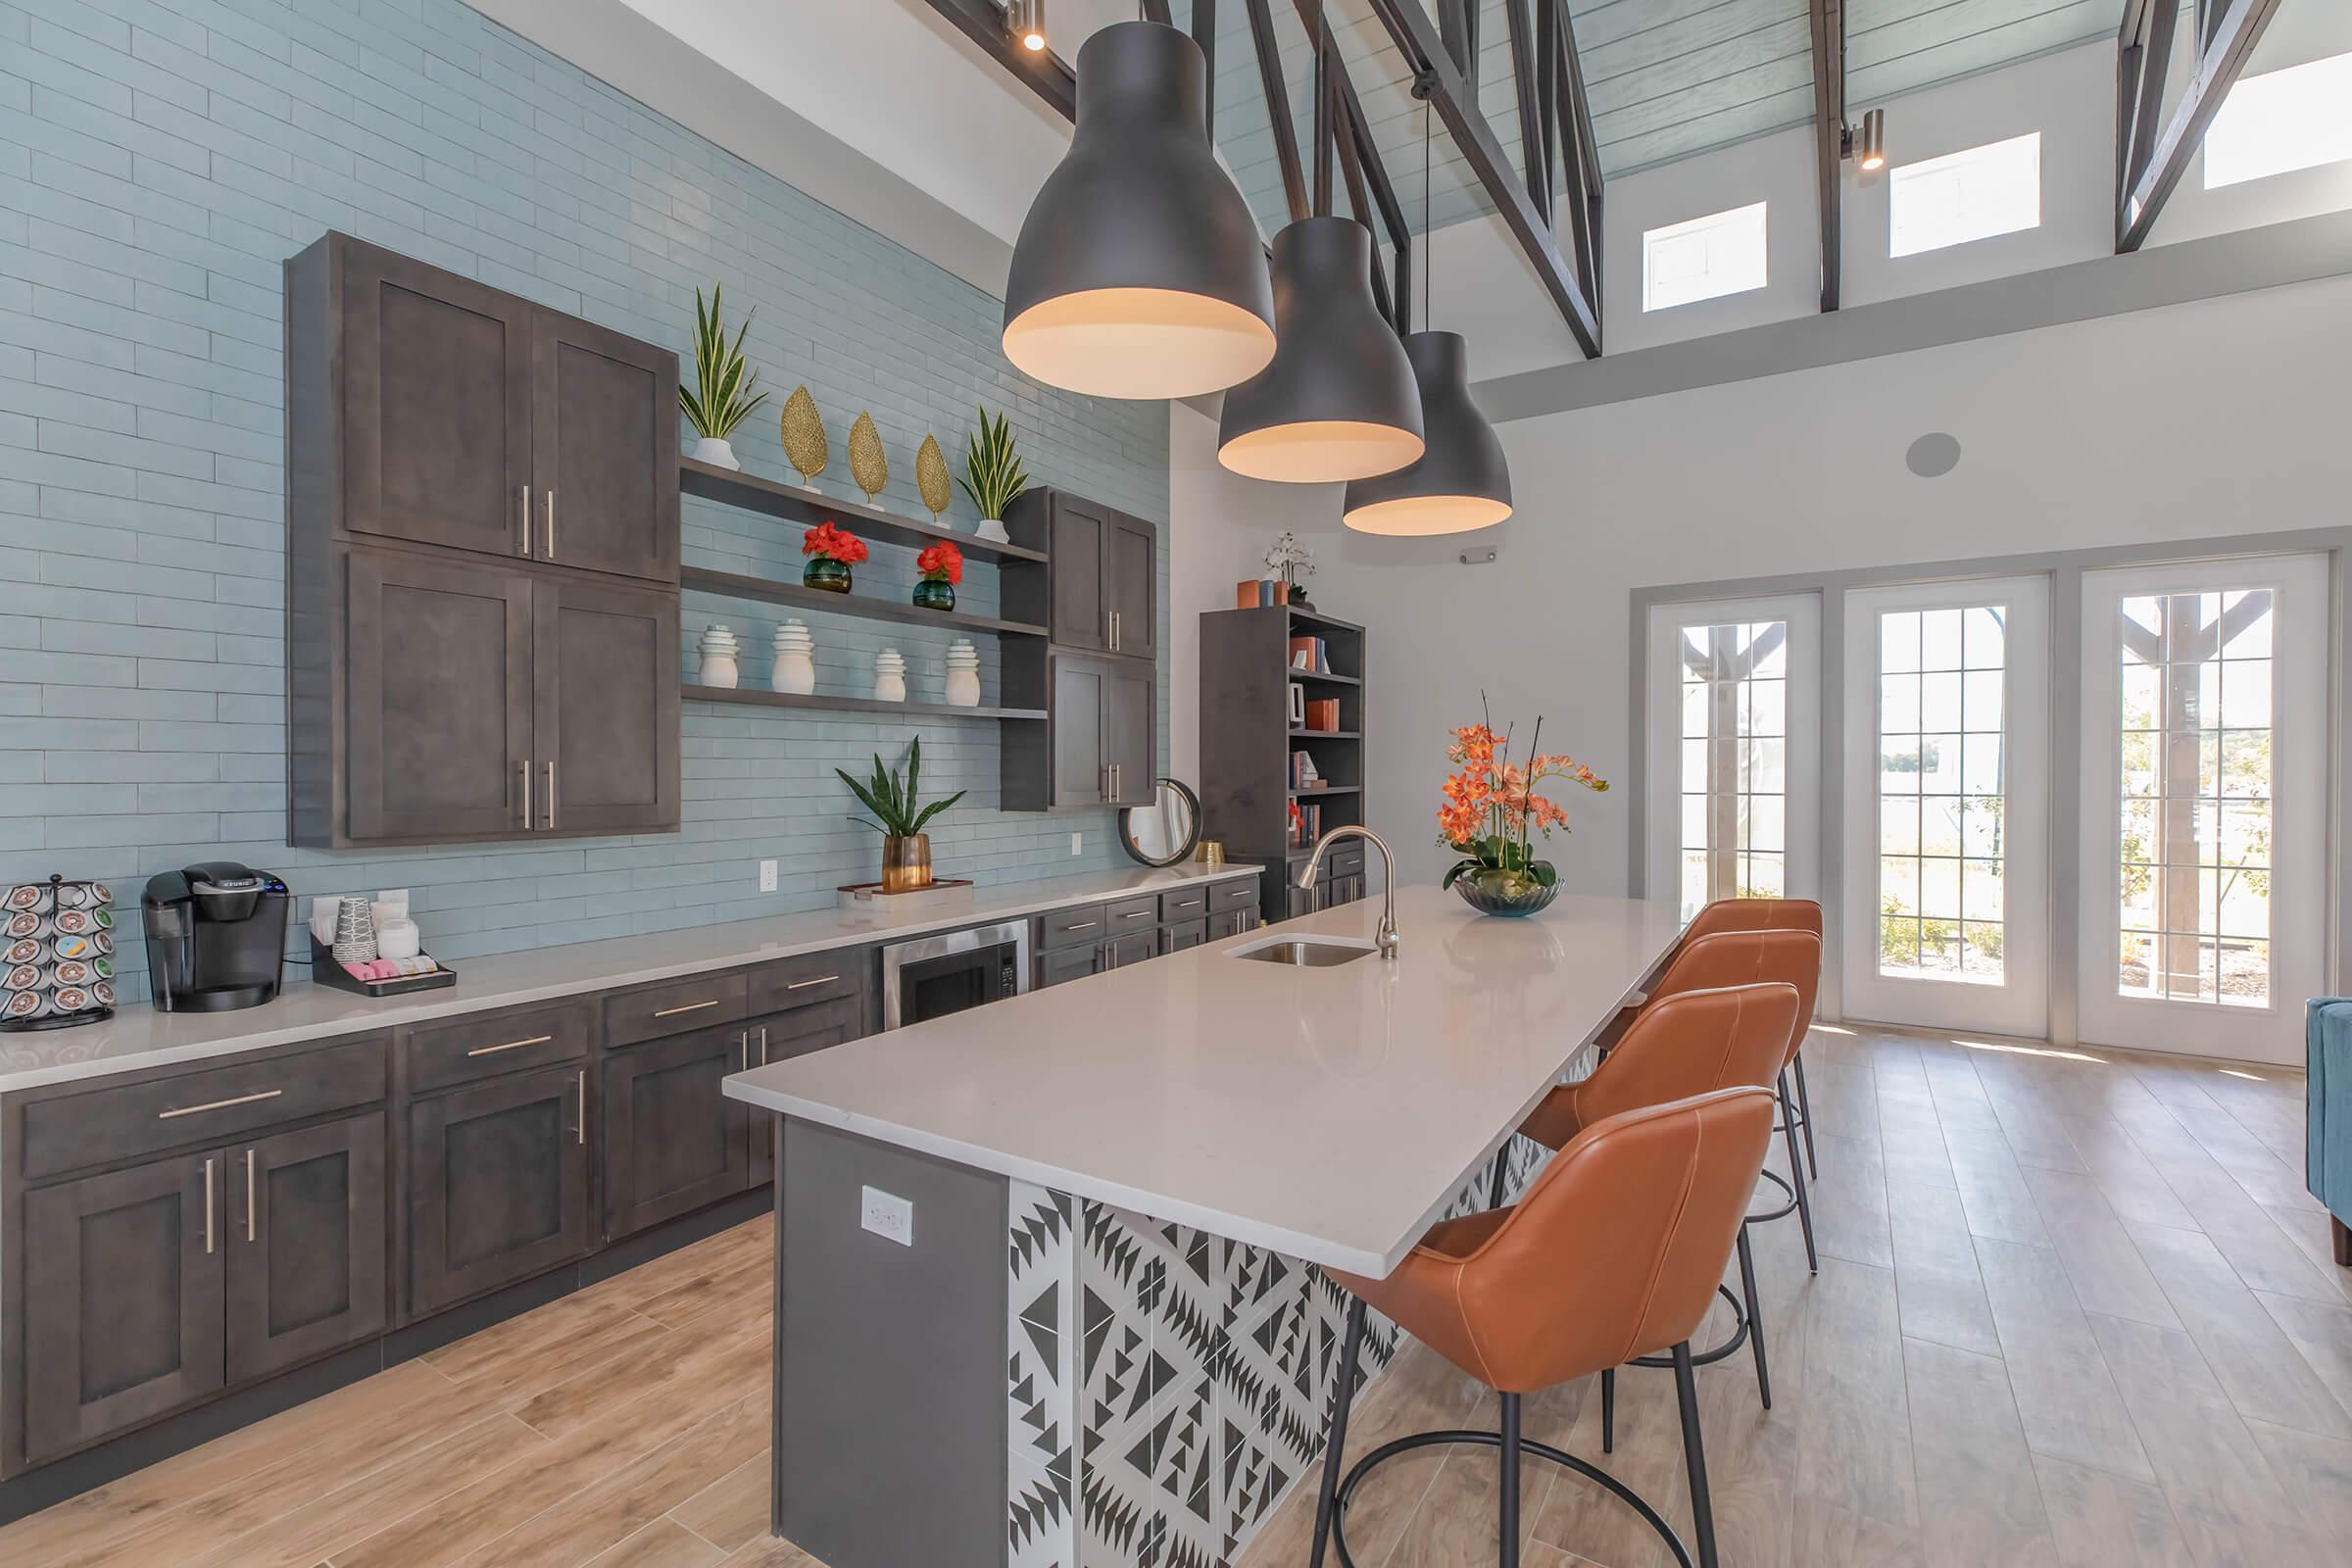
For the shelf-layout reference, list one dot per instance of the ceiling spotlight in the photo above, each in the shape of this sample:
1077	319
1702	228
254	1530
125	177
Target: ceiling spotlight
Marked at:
1866	143
1025	24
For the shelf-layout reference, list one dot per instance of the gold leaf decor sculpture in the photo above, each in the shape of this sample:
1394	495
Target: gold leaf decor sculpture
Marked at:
805	446
931	477
868	466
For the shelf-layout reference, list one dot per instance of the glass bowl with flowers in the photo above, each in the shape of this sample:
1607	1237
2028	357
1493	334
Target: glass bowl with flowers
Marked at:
831	554
941	569
1491	811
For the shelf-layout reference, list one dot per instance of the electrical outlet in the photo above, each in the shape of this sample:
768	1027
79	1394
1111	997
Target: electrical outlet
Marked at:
767	876
887	1216
1077	843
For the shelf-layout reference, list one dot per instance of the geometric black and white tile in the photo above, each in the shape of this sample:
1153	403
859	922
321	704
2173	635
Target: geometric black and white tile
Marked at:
1167	1387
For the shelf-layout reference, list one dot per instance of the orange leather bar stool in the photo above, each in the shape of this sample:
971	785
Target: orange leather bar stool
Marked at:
1689	1043
1614	1253
1768	914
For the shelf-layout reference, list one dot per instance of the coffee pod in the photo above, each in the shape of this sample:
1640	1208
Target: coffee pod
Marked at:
73	922
102	968
26	923
25	949
102	993
102	918
22	977
69	972
71	998
103	944
35	897
25	1004
100	893
73	947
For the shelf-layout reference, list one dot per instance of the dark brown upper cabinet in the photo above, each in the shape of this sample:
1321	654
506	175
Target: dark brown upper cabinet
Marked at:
426	407
1098	746
1100	593
604	721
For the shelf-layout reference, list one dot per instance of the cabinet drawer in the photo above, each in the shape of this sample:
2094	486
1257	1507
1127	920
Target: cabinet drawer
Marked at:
1190	934
675	1007
472	1048
78	1131
1235	893
1348	861
1068	928
1126	916
809	979
1184	904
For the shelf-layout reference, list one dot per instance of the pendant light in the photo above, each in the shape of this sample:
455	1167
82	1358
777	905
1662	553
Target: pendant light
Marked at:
1138	272
1339	401
1463	480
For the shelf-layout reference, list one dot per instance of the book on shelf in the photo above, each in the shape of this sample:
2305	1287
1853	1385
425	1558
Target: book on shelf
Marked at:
1310	654
1323	713
1306	823
1261	593
1303	773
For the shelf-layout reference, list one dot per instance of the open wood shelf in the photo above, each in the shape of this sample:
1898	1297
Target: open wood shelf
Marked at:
1322	790
1309	674
1327	734
850	705
770	591
735	488
1317	618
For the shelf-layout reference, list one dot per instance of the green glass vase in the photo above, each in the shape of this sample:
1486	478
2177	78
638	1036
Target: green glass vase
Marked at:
826	575
935	594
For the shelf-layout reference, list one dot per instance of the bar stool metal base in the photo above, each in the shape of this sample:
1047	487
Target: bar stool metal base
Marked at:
1494	1440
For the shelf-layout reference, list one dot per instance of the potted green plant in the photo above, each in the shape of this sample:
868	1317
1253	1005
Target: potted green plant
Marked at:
906	847
721	397
993	474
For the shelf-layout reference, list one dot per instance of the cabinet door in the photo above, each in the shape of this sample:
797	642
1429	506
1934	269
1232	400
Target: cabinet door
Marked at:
1130	733
123	1299
606	716
1177	938
1068	963
674	1142
496	1185
604	450
1079	707
305	1244
1120	952
1078	539
1131	585
781	1036
1304	900
437	404
438	724
1344	890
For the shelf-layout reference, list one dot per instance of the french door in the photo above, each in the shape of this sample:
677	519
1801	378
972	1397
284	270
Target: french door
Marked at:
1946	779
1734	749
2205	774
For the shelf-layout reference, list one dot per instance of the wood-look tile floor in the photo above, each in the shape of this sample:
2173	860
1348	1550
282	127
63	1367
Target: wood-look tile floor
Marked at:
2074	1308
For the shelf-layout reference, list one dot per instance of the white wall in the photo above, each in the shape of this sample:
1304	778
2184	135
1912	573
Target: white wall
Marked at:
1776	170
1219	525
2219	416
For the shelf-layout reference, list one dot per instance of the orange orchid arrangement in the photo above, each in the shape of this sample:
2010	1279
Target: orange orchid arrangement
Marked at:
1492	809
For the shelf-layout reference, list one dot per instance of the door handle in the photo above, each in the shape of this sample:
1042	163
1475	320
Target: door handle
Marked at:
208	1204
763	1044
803	985
550	781
248	1225
690	1007
526	795
522	516
743	1043
217	1104
551	522
512	1045
583	1091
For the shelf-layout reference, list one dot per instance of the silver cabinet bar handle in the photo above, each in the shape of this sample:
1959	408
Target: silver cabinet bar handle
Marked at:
763	1044
690	1007
820	980
551	522
217	1104
208	1204
526	795
583	1089
522	509
1137	915
1082	925
248	1225
743	1043
512	1045
551	786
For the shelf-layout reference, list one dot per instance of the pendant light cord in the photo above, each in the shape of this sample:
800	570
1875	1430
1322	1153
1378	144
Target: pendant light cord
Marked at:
1429	244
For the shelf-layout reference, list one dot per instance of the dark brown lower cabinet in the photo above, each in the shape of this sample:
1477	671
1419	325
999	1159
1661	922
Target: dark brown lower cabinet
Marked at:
1120	952
123	1299
674	1140
496	1185
1189	934
1064	964
305	1244
781	1036
1231	924
1344	890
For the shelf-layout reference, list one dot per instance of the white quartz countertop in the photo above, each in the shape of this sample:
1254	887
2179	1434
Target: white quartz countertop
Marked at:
140	1037
1326	1113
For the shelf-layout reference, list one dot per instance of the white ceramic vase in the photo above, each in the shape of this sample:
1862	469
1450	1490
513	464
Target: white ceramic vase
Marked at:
964	675
796	663
714	451
716	666
889	676
993	531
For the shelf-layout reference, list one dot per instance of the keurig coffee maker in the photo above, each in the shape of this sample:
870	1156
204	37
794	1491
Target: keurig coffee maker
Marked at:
215	937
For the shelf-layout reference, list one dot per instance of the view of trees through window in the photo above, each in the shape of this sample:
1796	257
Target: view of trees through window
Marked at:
1942	795
1734	761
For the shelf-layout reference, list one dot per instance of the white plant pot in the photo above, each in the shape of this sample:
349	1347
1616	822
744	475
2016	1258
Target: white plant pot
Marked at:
993	531
716	452
796	673
963	688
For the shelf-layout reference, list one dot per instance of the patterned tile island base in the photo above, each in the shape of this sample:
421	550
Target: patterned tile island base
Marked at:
1166	1387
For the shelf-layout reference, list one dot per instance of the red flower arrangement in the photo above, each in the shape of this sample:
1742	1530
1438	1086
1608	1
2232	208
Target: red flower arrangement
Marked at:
941	562
827	542
1490	806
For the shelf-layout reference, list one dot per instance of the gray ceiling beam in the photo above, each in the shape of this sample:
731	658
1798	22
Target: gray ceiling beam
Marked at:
2228	41
1049	75
1829	141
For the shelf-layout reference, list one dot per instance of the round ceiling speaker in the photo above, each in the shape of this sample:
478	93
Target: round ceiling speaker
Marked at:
1339	401
1138	272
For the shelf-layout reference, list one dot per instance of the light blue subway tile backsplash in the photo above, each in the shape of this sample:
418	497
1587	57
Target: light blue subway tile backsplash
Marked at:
158	159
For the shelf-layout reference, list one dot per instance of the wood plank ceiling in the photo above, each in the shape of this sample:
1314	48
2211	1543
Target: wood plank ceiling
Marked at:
1668	78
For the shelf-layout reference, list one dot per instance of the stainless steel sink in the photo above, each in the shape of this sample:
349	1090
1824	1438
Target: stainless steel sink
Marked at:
1306	952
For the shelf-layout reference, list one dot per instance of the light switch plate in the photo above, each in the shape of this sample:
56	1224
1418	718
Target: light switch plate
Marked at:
887	1216
1078	844
767	876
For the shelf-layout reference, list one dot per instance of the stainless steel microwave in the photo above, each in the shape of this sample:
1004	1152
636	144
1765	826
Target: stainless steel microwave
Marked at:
936	975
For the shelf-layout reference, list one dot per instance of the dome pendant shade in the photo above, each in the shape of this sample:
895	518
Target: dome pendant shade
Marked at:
1138	272
1338	401
1462	481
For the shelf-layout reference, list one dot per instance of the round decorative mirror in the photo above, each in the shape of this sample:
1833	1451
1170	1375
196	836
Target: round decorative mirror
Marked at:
1165	832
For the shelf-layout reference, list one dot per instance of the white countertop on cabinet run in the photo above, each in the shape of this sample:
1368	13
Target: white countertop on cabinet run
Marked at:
1324	1113
140	1037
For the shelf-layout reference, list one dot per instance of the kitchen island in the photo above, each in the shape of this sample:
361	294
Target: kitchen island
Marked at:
1049	1283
